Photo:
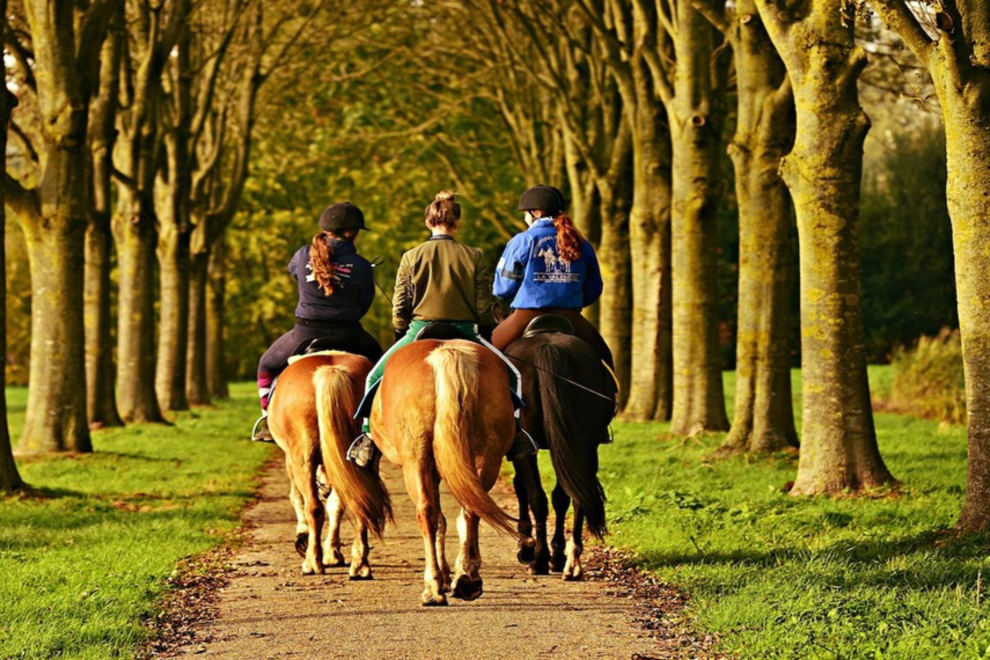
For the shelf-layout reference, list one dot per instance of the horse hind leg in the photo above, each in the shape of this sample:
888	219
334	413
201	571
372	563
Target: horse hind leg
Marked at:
304	477
532	497
360	568
424	488
335	515
521	483
442	553
468	584
561	502
573	569
295	496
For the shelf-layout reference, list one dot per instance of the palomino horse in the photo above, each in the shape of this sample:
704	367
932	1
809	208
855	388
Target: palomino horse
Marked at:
311	419
568	410
444	412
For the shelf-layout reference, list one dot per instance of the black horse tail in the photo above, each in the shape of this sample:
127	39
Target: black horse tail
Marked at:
572	439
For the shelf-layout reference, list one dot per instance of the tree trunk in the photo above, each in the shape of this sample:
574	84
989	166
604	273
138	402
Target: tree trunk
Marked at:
216	372
135	237
651	386
615	305
101	404
56	409
696	125
10	478
197	381
764	417
967	129
824	171
173	327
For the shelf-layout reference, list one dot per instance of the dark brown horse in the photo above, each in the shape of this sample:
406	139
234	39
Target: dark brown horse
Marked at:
444	412
569	405
311	419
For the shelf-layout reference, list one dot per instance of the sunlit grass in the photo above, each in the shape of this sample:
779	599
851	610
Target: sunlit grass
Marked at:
84	561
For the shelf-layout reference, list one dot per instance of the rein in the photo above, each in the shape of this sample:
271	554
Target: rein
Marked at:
375	263
563	378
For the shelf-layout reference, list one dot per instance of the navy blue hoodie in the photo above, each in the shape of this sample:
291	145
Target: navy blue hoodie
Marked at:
353	294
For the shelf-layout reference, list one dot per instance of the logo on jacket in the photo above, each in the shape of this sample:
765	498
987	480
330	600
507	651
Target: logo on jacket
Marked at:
556	270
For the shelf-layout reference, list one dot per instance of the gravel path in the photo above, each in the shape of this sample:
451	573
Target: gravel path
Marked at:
270	610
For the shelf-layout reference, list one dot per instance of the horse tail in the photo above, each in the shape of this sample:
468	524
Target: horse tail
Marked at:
360	489
455	369
573	449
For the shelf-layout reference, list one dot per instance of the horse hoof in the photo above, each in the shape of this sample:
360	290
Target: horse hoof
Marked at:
539	568
338	559
527	551
557	564
434	600
302	542
311	570
363	573
467	589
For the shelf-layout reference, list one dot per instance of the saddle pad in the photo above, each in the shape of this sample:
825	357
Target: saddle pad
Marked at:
295	358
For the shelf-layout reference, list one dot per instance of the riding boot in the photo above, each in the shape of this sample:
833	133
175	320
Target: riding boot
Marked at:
523	444
260	433
362	451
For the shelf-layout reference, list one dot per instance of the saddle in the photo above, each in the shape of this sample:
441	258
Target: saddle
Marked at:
440	331
548	323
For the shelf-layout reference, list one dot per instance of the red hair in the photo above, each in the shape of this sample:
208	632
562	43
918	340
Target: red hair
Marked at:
569	239
321	258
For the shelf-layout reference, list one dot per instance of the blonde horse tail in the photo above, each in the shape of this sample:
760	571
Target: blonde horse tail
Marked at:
456	375
360	489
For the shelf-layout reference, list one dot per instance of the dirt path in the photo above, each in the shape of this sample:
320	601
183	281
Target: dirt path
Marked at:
270	610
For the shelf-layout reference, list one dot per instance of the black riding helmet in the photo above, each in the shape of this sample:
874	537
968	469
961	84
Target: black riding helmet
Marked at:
342	215
544	198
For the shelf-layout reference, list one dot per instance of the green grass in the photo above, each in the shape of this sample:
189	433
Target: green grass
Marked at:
83	564
782	577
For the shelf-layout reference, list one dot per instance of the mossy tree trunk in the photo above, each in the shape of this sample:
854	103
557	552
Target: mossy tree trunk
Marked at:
959	62
10	478
101	402
216	273
763	419
696	116
815	39
197	378
54	216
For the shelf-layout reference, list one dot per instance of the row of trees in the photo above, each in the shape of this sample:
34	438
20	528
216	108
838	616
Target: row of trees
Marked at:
641	161
130	149
629	105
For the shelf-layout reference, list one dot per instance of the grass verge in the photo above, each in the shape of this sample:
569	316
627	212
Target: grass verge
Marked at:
781	577
84	559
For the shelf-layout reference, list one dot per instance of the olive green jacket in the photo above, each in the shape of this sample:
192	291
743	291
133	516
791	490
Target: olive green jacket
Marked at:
442	280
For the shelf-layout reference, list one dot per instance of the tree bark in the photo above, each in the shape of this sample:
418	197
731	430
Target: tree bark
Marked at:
101	403
763	420
198	382
823	172
10	478
216	372
134	233
696	125
615	305
173	327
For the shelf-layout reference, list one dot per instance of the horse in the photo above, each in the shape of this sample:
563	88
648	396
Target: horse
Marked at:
311	419
444	412
568	411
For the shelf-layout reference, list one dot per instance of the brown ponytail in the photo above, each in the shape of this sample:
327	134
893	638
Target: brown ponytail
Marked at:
321	256
569	239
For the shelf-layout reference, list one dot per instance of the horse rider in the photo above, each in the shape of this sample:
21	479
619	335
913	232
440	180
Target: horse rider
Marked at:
336	288
440	281
548	269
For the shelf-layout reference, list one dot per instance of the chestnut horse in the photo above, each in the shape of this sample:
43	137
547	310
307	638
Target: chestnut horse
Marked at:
444	411
311	418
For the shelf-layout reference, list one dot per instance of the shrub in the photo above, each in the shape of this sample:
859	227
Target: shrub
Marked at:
928	379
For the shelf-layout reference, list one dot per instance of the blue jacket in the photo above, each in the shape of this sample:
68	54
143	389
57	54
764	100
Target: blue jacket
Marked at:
531	274
351	298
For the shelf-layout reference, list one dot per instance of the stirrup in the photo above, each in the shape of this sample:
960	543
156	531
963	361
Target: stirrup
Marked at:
523	445
260	432
362	451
